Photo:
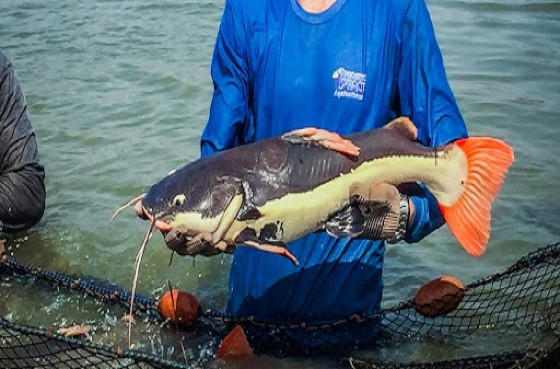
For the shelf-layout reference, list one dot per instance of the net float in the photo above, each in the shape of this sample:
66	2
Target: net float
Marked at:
179	307
439	296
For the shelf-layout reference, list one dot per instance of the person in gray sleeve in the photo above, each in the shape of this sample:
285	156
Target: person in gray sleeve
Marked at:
22	178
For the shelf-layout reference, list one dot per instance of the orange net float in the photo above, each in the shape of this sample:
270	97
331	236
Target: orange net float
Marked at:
179	307
439	296
234	345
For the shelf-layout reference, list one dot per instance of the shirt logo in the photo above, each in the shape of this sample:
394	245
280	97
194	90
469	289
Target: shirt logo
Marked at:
349	84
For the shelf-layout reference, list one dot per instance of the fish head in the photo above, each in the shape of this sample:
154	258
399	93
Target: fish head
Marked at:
168	197
187	206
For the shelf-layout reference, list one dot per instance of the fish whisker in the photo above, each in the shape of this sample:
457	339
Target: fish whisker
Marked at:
129	203
138	260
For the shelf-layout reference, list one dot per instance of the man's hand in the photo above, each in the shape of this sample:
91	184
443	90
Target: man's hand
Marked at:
385	210
201	244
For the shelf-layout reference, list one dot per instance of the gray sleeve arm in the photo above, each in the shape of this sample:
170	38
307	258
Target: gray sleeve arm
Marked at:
22	178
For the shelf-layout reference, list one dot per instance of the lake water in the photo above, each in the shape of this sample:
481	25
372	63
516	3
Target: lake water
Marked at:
118	93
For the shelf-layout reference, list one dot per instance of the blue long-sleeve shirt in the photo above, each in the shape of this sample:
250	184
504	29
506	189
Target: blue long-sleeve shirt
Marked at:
353	67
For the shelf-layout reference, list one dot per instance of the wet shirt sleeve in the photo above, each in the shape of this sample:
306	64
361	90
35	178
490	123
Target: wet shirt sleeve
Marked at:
229	122
425	96
22	189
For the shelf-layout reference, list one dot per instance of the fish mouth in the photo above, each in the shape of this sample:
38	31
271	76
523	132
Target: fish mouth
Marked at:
179	239
144	213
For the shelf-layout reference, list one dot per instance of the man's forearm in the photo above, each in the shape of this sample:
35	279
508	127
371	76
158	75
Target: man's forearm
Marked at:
22	188
425	216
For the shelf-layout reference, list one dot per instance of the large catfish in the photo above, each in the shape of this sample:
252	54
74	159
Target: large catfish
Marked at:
276	190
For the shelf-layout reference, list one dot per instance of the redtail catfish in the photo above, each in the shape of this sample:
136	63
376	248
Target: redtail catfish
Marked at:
276	190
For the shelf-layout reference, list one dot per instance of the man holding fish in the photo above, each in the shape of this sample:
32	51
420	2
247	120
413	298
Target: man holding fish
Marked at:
346	66
339	66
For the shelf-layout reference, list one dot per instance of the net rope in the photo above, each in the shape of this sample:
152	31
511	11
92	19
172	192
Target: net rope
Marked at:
524	298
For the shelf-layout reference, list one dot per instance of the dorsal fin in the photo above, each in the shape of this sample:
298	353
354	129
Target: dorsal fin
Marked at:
403	126
320	137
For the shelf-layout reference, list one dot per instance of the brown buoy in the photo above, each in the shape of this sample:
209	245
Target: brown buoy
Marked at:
179	307
439	296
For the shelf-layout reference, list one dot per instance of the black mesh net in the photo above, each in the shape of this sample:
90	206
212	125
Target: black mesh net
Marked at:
513	314
23	346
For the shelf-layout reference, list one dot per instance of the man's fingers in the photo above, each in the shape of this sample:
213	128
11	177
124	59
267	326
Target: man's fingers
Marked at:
201	244
223	246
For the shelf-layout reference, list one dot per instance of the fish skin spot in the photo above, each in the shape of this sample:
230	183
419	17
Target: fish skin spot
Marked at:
250	214
247	234
271	232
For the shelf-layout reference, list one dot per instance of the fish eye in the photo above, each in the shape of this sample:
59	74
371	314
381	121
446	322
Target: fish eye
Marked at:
178	200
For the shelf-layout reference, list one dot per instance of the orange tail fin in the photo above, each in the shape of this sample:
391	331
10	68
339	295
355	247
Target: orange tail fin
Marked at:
488	159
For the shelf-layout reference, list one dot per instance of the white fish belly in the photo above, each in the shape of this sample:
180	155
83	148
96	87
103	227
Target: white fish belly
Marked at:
301	213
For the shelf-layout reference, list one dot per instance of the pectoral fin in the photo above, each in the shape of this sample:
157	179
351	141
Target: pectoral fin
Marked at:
275	249
323	138
228	217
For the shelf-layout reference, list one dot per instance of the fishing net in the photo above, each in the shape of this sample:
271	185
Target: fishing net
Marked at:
513	316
